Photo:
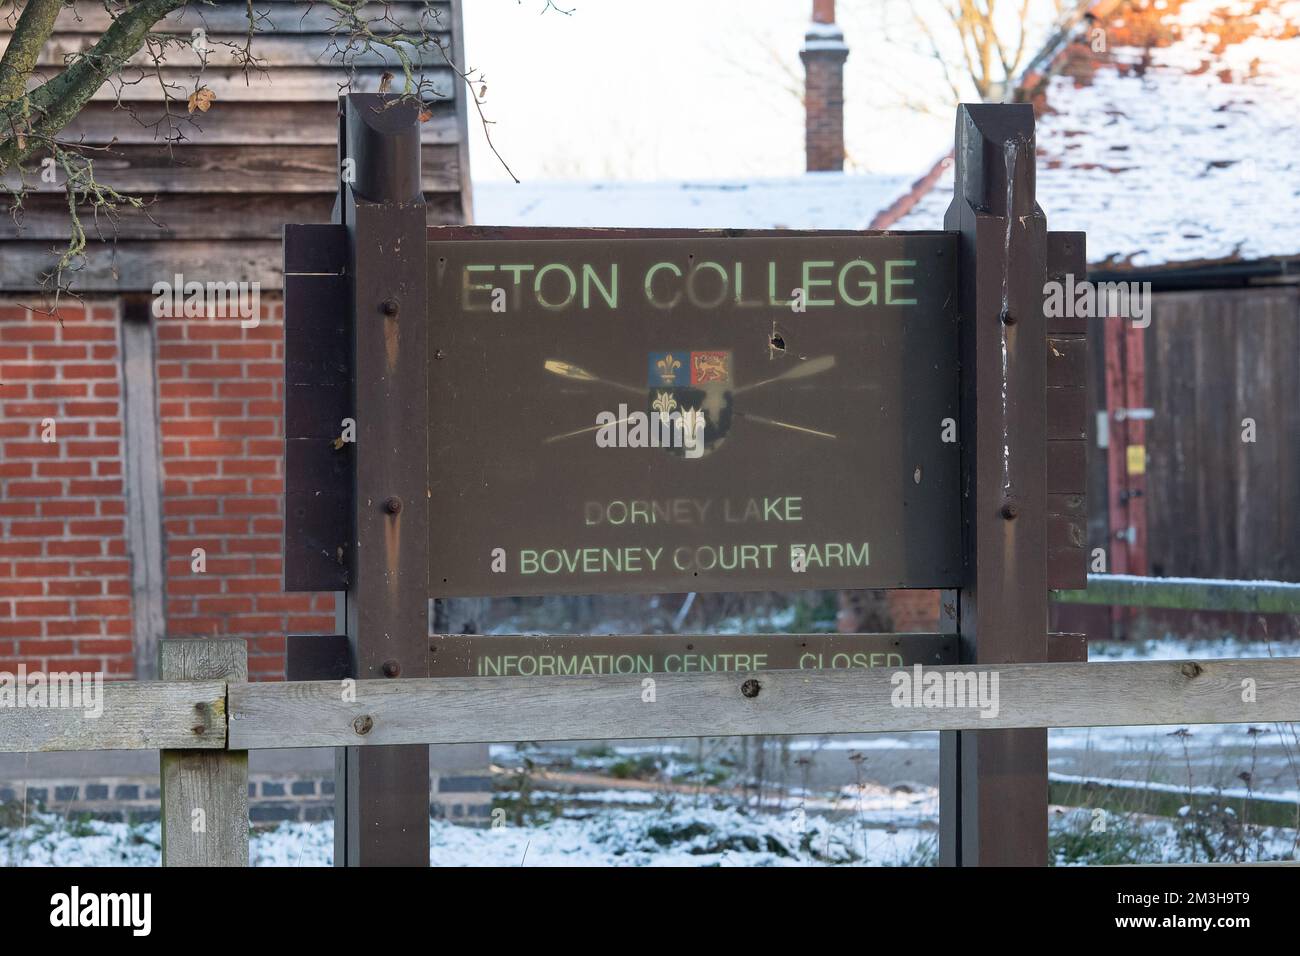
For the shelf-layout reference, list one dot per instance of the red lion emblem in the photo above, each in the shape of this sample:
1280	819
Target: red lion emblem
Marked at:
709	367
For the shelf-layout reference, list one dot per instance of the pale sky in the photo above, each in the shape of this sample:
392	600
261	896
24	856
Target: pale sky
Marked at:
696	89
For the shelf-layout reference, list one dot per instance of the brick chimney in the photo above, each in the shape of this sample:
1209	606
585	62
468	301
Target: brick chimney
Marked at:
823	56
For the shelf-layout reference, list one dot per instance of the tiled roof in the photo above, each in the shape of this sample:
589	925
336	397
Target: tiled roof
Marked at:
1178	144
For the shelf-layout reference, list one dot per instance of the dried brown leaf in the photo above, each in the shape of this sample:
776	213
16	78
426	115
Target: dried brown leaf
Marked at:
201	99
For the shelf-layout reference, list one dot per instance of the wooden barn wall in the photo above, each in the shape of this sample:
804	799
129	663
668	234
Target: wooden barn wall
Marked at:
1216	506
1220	506
264	155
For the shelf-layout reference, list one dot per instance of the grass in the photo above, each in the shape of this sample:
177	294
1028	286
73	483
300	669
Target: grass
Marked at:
1086	839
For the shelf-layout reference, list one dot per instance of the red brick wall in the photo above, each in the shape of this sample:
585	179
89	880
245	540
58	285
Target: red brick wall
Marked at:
915	612
902	612
64	574
221	394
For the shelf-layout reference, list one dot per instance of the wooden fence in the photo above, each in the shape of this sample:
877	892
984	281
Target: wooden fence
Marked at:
206	717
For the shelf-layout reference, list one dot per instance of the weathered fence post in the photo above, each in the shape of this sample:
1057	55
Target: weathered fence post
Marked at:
382	794
204	792
999	778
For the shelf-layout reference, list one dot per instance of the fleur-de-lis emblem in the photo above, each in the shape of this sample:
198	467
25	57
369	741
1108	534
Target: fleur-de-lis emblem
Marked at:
664	403
668	366
692	419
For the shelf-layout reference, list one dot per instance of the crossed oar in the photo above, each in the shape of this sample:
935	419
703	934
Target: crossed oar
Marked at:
805	369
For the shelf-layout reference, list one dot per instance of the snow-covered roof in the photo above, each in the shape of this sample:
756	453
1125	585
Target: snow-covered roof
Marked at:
1177	145
811	201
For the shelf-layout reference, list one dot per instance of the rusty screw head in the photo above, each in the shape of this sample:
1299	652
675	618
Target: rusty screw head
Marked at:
393	505
363	724
1009	510
201	713
751	688
392	669
388	307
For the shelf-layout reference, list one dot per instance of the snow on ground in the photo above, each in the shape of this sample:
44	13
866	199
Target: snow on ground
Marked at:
1225	793
1109	739
871	804
1081	836
675	835
1173	648
683	837
47	839
613	836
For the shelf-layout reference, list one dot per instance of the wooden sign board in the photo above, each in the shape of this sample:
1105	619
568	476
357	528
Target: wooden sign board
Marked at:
698	414
520	401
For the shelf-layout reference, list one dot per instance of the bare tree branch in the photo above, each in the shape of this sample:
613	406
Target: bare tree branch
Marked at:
25	43
58	100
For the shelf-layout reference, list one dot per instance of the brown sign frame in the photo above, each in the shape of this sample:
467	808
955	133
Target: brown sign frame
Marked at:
358	515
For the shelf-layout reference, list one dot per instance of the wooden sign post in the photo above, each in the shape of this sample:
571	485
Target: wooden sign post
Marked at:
474	411
994	800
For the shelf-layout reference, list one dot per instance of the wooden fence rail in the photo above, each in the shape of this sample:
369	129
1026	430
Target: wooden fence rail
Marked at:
207	725
145	715
1187	594
216	715
479	709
